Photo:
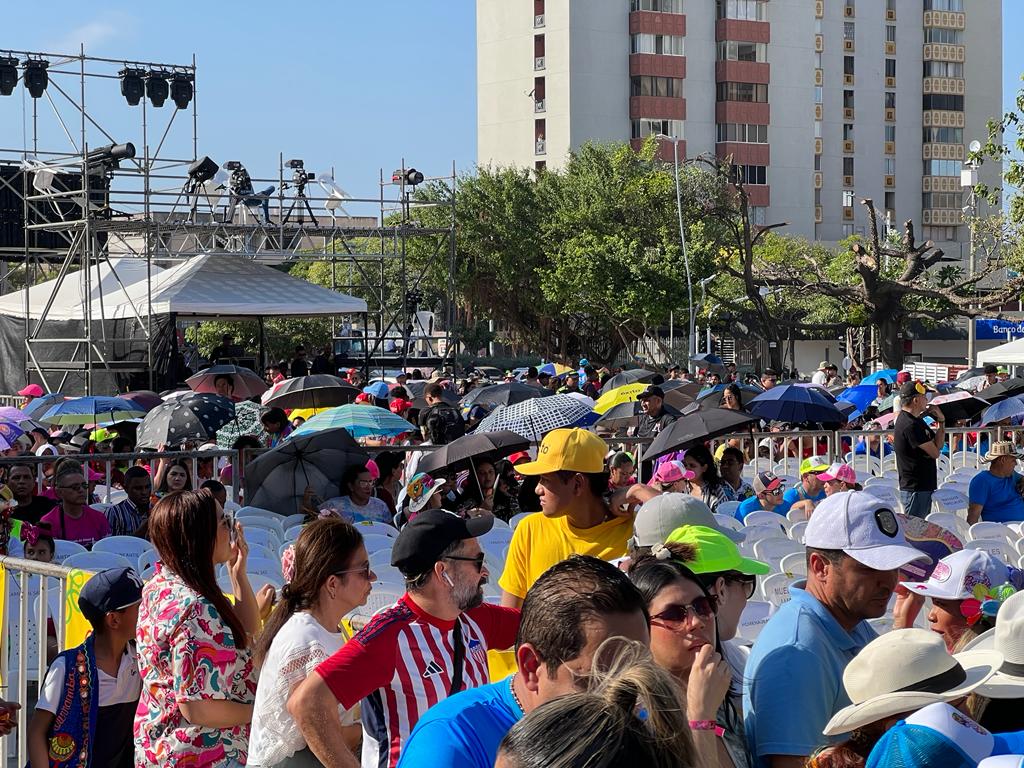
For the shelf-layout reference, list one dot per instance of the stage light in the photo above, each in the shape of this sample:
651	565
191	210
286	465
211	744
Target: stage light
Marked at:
133	88
413	177
181	89
110	156
156	87
202	170
36	78
8	75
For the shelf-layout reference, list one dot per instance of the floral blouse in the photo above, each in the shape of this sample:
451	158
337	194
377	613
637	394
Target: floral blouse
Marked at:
186	653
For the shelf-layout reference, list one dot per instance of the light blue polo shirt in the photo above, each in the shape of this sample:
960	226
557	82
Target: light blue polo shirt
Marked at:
464	730
794	678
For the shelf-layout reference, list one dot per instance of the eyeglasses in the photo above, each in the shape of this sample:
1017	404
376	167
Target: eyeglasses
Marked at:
478	560
774	492
703	608
75	486
749	583
364	570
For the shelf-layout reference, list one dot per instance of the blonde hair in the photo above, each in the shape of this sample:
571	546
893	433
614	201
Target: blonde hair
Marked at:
631	712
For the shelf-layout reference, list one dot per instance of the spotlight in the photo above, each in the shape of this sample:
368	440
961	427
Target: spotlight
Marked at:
110	156
295	164
133	88
412	177
8	75
202	170
36	78
181	89
156	87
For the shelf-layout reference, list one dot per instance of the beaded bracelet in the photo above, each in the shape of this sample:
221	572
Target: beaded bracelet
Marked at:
707	725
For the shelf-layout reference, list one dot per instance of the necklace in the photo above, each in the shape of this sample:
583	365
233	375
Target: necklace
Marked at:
512	689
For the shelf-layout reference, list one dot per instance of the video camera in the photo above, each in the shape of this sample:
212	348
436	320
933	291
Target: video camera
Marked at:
300	177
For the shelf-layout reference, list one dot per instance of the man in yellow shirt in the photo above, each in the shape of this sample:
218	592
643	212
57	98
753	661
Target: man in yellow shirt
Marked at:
574	516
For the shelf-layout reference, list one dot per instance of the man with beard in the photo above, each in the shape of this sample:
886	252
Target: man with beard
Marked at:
432	643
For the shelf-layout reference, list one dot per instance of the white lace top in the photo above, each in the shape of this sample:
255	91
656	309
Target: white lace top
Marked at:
297	650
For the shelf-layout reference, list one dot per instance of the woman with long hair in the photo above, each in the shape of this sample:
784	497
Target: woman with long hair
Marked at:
330	576
173	476
705	484
193	644
732	398
391	465
357	502
481	492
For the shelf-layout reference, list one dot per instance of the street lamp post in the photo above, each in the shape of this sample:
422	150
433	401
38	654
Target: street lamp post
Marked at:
691	330
968	181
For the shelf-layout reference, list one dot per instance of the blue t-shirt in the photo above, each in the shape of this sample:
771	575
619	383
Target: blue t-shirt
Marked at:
753	504
793	683
1000	500
463	730
795	494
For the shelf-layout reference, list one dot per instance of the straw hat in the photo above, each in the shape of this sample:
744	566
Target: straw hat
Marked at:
1005	448
1006	639
903	671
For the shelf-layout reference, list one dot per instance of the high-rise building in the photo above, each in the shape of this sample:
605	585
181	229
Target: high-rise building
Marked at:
821	102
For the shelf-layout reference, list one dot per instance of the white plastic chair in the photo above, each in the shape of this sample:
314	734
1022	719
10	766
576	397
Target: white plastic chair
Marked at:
63	549
496	538
992	530
147	559
380	558
367	527
952	522
727	508
882	624
253	522
129	547
765	517
753	618
796	532
995	547
292	533
98	561
728	521
257	581
775	588
893	475
517	519
375	541
262	536
15	547
795	564
887	494
248	511
498	524
796	515
757	533
388	578
378	600
263	566
773	550
263	552
291	520
949	500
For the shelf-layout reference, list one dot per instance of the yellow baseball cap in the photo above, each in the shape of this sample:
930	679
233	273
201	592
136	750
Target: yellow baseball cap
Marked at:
715	552
571	450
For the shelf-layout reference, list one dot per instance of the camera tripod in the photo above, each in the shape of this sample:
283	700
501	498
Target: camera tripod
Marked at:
299	179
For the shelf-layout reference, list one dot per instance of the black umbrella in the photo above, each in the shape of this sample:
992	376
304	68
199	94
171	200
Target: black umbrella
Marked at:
633	376
712	398
1002	390
320	390
192	417
695	428
959	406
277	480
679	393
504	394
621	415
464	452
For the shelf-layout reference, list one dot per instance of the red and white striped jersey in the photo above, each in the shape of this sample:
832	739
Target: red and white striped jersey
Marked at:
401	664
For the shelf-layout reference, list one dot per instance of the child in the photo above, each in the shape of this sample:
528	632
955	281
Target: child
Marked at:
86	708
39	544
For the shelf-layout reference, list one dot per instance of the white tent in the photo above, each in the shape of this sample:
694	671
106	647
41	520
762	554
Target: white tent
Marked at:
107	279
227	285
1011	353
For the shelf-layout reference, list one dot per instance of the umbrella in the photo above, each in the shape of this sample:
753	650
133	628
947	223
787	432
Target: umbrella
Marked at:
504	394
697	427
708	362
797	405
15	416
191	418
304	413
848	410
317	391
889	374
861	395
277	479
819	387
246	422
91	410
359	420
1000	390
41	405
958	406
536	417
689	388
554	369
146	399
612	397
463	452
9	433
1005	409
885	420
621	415
711	397
632	376
247	383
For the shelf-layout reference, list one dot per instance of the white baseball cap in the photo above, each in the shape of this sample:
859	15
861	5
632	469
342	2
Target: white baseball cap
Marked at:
864	527
956	575
658	517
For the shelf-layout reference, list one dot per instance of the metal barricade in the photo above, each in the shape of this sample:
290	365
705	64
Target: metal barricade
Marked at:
778	452
20	578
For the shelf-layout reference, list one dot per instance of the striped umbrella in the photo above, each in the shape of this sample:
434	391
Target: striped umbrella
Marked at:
360	420
554	369
92	410
536	417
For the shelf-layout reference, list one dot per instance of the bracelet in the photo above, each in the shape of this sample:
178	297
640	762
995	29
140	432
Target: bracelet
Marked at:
706	725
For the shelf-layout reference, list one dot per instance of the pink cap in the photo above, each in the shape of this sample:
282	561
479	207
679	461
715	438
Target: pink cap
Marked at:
671	472
903	377
837	471
32	390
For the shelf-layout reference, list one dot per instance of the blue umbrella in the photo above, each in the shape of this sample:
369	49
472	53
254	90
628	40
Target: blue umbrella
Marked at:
1004	409
794	404
360	420
379	389
860	395
41	405
92	410
889	374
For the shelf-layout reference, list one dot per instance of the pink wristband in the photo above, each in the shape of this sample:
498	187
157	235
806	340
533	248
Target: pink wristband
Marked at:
706	725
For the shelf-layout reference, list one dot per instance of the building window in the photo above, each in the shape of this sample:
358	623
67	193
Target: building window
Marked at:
890	201
890	67
848	100
847	131
943	35
758	215
817	129
819	94
750	174
735	50
744	133
937	135
943	69
943	200
757	92
540	165
648	85
890	33
644	127
890	133
944	101
662	6
940	234
890	100
942	167
817	162
847	166
849	30
745	10
847	230
668	45
890	6
944	5
889	166
848	65
817	59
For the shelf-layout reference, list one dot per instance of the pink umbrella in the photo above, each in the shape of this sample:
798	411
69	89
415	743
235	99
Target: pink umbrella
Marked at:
247	383
885	420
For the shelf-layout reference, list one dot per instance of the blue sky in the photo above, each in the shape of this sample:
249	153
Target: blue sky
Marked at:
353	85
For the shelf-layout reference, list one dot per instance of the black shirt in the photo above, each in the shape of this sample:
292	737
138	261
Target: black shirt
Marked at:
917	469
299	367
33	512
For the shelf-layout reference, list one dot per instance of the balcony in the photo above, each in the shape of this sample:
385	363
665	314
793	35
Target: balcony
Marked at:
538	21
538	63
539	106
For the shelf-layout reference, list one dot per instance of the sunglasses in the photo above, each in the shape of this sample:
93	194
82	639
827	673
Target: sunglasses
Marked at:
774	492
478	560
75	486
703	608
363	570
749	584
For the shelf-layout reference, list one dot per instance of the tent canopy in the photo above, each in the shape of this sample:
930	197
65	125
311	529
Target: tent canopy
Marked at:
228	285
70	298
1011	353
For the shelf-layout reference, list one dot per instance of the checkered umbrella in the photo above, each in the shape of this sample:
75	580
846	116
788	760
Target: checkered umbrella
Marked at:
536	417
197	417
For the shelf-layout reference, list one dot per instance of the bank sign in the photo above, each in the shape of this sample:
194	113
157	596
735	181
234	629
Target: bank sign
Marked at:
998	329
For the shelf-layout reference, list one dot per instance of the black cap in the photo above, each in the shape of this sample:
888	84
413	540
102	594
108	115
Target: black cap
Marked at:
651	391
990	368
421	542
111	590
911	389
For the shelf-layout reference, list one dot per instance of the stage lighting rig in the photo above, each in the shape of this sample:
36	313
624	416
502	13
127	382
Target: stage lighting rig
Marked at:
109	157
36	77
133	87
410	177
181	89
156	87
8	75
202	170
